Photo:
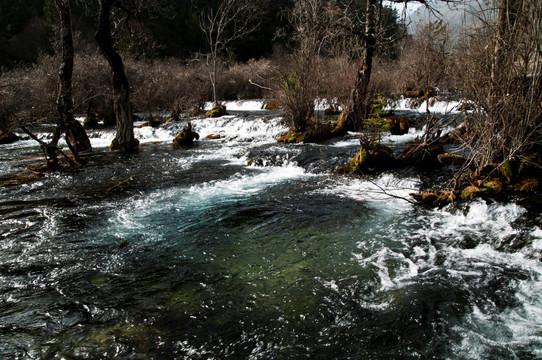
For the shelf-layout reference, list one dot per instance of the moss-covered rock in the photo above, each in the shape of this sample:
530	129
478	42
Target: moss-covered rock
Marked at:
7	137
151	121
291	137
370	159
510	169
217	111
470	192
185	137
435	197
493	185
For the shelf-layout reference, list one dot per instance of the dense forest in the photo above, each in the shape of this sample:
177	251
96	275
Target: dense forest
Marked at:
173	56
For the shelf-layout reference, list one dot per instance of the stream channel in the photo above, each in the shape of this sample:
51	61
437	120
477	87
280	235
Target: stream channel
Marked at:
194	254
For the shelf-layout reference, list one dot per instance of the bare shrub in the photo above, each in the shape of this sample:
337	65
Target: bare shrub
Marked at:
91	84
249	80
29	93
500	66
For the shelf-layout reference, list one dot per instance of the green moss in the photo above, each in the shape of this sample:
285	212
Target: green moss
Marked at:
470	192
185	138
217	111
510	169
493	185
292	137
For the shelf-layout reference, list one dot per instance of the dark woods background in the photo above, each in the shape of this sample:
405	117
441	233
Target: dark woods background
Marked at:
170	29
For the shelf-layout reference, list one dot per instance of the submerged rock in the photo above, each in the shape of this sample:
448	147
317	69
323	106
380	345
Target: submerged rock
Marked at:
435	197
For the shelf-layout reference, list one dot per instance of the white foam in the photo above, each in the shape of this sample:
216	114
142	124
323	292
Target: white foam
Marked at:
240	128
435	106
385	260
480	218
150	134
385	188
206	195
239	105
537	235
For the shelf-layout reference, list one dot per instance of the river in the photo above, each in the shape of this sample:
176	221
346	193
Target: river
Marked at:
195	254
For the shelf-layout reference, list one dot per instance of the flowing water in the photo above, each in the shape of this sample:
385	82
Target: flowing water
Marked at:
194	254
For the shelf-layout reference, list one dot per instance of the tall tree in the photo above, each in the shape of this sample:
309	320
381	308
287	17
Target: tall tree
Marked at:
360	103
360	106
76	136
124	140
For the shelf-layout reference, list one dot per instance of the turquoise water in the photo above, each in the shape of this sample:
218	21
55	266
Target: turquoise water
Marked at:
191	253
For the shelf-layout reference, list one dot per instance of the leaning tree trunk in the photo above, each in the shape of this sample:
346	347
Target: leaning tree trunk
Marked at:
360	105
124	140
76	136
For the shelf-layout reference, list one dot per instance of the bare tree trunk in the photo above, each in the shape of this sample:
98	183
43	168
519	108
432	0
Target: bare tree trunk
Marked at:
360	104
213	80
76	136
124	140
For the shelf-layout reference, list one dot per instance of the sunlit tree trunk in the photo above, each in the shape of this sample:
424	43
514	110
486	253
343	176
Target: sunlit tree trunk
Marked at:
124	140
